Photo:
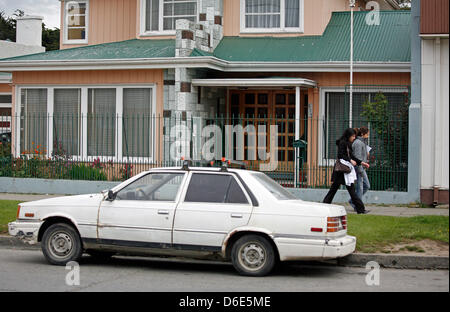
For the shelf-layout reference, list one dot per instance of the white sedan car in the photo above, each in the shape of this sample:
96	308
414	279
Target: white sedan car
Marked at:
238	215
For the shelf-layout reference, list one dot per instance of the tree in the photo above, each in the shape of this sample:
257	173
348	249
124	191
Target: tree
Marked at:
50	37
7	27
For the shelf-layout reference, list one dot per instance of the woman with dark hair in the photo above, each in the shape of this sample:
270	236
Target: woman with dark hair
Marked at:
346	157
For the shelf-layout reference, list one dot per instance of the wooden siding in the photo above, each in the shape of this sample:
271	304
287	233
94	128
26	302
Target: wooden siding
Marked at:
109	21
434	17
5	87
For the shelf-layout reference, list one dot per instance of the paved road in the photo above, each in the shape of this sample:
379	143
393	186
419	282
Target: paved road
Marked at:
27	270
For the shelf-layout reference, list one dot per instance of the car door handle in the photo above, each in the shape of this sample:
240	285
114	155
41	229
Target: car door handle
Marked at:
236	215
163	212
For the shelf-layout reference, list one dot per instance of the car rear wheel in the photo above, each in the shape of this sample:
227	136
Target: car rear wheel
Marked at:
253	255
61	244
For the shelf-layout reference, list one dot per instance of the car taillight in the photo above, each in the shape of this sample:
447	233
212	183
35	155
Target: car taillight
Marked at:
336	224
18	211
344	222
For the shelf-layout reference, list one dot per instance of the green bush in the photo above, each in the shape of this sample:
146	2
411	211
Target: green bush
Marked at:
83	172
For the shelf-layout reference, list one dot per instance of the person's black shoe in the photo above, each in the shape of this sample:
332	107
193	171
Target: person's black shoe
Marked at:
364	212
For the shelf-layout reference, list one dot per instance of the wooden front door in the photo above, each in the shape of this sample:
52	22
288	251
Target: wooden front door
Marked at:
263	107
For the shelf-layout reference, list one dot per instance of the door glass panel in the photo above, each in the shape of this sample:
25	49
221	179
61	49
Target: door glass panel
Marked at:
235	194
211	188
153	187
214	188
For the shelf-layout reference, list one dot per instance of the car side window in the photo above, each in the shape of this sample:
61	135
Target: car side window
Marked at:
214	188
153	187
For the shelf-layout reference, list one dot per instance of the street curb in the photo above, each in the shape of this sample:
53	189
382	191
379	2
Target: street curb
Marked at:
15	243
396	261
353	260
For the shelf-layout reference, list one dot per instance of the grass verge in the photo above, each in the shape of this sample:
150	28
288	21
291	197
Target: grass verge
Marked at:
375	232
8	213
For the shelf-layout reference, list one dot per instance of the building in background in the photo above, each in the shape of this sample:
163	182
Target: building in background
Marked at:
28	41
434	34
219	62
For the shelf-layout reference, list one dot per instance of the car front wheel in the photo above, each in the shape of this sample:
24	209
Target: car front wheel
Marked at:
253	255
61	244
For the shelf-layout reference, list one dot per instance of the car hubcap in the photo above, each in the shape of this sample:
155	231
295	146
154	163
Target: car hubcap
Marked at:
61	244
252	256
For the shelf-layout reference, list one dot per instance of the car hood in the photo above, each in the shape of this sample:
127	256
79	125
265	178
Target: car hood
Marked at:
76	200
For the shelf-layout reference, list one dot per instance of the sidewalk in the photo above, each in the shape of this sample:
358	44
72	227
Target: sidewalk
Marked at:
395	211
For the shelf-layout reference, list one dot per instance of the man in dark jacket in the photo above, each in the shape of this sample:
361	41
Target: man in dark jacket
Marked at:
360	151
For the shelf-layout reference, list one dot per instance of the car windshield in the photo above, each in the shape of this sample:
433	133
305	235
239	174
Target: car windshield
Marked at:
273	187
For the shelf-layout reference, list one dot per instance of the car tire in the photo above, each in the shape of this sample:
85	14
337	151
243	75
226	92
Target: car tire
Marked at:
253	255
61	244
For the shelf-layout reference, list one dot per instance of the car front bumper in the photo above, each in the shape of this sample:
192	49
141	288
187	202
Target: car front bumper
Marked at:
315	249
25	230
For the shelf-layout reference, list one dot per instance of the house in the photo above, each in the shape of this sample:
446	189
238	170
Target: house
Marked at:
28	41
152	80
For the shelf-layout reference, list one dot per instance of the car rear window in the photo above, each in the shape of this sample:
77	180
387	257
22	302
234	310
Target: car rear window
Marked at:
273	187
214	188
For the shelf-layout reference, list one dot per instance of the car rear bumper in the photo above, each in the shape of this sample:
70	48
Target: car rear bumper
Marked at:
315	249
338	248
25	230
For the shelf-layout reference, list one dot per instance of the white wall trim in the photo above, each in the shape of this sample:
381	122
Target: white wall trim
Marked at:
203	62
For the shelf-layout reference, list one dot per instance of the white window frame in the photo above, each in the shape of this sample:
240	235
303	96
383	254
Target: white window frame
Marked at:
66	39
160	31
282	28
323	102
83	128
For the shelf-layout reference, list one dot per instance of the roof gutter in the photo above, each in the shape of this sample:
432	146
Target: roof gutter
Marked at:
201	62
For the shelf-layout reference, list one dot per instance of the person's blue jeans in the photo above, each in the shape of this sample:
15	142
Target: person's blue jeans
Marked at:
362	184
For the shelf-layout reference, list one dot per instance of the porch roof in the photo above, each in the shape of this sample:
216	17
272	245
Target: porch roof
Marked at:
255	82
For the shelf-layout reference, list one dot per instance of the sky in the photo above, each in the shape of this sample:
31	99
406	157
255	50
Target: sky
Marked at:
49	9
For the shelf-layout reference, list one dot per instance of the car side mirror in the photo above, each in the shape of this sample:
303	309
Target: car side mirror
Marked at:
111	195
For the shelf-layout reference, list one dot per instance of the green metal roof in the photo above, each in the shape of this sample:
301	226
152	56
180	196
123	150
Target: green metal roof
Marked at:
387	42
129	49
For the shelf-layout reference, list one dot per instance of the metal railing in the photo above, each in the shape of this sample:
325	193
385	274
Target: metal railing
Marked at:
111	147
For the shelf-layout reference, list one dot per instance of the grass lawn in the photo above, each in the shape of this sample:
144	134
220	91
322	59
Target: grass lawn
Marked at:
372	232
375	232
8	212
